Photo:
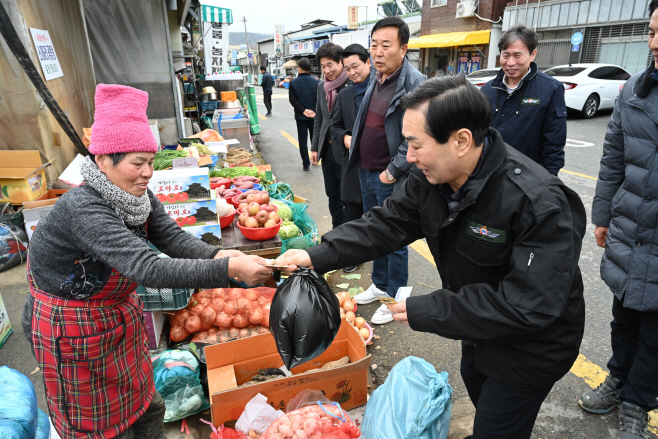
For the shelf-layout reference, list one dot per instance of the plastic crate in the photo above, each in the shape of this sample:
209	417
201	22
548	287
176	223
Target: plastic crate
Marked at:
208	105
189	88
164	299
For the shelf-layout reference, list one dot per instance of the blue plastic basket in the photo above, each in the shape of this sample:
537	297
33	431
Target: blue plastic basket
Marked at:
208	105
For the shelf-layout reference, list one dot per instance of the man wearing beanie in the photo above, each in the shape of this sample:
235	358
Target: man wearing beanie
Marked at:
86	258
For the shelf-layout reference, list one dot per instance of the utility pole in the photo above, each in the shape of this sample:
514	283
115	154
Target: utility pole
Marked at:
246	37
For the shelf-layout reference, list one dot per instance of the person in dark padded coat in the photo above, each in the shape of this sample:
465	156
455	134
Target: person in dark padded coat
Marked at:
303	96
527	105
506	238
625	212
266	83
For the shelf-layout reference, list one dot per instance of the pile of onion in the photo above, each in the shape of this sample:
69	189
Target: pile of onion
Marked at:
222	314
347	307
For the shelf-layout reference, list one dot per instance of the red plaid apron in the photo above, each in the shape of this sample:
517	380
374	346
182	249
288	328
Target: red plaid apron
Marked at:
94	357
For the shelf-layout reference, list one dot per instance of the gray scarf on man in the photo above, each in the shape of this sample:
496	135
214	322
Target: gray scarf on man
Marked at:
133	210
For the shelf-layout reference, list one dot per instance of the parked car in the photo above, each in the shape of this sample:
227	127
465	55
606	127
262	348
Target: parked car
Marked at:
590	87
481	77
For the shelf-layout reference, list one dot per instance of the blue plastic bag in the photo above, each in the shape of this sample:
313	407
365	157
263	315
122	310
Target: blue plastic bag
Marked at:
18	406
43	426
413	403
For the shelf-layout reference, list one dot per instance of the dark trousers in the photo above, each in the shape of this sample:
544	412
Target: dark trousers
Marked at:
304	134
331	172
150	424
354	211
501	412
267	99
634	338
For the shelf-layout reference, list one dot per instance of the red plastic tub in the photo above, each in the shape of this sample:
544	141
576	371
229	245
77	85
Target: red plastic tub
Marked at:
260	234
225	221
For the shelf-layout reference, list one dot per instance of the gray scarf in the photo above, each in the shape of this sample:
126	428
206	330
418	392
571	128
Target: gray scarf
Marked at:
133	210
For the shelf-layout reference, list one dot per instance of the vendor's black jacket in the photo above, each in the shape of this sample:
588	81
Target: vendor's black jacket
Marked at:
508	260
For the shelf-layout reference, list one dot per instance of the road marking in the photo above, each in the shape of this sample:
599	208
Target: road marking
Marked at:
589	177
261	116
592	373
290	138
578	143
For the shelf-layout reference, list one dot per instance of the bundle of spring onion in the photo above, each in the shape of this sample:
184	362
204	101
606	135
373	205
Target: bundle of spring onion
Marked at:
163	159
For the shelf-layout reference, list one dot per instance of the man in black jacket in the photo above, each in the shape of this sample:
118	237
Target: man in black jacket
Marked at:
528	105
506	238
303	96
266	83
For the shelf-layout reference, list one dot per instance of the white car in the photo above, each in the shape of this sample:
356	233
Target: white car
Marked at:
590	87
481	77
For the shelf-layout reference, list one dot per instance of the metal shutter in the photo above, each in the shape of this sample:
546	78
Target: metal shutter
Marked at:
624	45
553	48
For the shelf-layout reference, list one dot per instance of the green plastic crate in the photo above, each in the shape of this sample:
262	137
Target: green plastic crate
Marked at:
164	299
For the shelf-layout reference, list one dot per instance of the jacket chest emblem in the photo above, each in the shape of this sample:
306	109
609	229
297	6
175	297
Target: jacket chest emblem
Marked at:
530	101
485	233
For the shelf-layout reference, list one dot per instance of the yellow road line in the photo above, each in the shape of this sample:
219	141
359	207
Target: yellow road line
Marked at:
290	138
589	177
261	116
592	373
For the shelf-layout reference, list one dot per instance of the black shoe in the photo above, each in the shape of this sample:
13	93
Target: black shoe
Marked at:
350	269
306	168
633	422
268	114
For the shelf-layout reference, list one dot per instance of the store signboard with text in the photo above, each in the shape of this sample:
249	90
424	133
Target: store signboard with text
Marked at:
46	53
306	47
215	47
352	17
278	39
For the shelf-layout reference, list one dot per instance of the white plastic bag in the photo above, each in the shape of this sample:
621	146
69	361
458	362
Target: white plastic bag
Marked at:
257	415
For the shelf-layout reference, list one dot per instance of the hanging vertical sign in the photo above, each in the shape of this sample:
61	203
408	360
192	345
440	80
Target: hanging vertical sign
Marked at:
352	17
215	47
46	53
278	39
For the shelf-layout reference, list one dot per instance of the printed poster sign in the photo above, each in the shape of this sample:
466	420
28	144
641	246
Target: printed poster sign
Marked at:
278	39
215	47
352	17
46	52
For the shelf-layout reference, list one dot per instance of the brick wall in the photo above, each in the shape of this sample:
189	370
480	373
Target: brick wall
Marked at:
441	19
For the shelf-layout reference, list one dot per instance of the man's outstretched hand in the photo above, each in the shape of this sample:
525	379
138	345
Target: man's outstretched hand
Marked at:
295	259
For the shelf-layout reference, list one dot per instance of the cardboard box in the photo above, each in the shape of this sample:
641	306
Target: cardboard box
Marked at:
185	185
199	213
22	176
210	234
5	325
233	363
154	322
34	211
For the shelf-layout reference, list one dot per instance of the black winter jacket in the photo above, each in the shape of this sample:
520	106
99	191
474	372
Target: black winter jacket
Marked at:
303	95
508	260
532	120
626	198
267	82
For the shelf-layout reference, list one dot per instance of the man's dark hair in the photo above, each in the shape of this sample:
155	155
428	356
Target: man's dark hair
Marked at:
403	28
653	5
331	51
263	69
452	103
357	49
304	64
518	32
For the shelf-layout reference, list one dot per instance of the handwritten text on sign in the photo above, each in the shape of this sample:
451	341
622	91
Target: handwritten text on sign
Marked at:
46	52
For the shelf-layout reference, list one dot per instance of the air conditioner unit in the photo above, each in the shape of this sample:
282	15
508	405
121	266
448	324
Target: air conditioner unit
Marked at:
465	9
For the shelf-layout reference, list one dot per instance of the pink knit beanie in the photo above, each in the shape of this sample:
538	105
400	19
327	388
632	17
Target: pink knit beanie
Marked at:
120	122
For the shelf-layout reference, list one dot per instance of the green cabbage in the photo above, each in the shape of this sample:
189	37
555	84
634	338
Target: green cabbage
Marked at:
289	230
283	210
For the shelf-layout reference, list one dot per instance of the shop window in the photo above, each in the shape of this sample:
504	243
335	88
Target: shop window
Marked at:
439	3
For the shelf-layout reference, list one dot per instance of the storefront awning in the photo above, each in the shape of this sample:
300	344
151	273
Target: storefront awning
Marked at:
452	39
212	14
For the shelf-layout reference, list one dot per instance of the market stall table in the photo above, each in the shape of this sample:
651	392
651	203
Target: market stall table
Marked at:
232	238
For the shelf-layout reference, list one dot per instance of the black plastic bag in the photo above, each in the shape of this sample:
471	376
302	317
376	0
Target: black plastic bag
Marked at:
304	317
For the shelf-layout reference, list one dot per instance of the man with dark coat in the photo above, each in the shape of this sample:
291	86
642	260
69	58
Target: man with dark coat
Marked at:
506	238
335	80
266	83
303	96
625	212
528	105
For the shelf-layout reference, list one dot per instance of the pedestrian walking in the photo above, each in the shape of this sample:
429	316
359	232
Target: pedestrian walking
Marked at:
267	82
335	79
86	259
303	96
505	236
378	148
356	61
625	213
528	105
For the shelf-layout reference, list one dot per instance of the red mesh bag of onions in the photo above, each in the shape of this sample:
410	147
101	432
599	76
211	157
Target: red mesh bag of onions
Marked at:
312	416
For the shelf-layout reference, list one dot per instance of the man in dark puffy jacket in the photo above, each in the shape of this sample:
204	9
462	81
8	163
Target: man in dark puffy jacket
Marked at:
303	96
267	83
625	212
527	105
506	238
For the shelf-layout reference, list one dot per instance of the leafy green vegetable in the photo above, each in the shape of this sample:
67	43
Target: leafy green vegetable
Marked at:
289	230
283	210
164	159
203	149
234	172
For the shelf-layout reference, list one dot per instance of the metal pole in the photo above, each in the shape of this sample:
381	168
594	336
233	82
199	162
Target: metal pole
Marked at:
525	19
534	27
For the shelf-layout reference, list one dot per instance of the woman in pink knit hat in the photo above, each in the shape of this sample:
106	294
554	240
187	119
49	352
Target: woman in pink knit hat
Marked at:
85	260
